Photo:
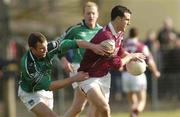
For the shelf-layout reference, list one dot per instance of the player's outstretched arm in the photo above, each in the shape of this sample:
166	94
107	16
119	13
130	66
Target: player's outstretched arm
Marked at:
58	84
96	48
67	44
117	62
131	56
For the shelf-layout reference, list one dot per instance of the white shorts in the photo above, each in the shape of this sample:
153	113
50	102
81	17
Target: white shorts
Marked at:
75	68
103	82
133	83
30	100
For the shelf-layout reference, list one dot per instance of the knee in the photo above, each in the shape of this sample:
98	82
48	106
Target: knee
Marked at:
78	108
104	109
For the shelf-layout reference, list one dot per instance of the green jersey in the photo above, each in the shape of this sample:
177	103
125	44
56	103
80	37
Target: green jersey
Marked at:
83	32
36	73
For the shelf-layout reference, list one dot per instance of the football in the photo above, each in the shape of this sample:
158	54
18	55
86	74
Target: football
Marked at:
109	45
136	67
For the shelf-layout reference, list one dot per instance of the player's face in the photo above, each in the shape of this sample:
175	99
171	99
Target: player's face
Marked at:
91	15
124	22
40	50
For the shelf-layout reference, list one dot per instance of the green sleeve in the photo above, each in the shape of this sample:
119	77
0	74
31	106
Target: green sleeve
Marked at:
66	45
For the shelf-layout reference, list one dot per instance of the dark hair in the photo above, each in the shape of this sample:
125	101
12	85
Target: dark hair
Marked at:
133	32
34	38
119	11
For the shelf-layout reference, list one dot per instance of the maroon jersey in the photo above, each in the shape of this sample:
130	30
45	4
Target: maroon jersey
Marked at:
96	65
134	45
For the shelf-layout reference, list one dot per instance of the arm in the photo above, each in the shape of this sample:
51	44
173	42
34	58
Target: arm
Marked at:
58	84
66	65
74	44
126	56
152	66
96	48
129	56
151	63
64	61
116	62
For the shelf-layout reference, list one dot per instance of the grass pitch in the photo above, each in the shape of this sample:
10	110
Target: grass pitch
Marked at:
174	113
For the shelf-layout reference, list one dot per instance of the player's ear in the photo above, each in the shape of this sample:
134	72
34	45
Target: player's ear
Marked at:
32	48
120	18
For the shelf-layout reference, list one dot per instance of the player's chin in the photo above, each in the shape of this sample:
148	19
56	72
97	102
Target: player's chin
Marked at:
43	55
92	22
124	29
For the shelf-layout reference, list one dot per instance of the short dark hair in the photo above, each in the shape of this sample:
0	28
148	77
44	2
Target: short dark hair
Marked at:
34	38
119	11
133	32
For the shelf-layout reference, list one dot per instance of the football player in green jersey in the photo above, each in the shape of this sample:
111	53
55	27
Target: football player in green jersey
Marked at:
84	30
35	86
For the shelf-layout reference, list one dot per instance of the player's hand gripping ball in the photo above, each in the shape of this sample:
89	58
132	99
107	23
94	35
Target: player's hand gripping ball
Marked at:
109	46
136	67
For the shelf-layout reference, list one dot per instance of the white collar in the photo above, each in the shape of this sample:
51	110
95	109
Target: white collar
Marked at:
112	29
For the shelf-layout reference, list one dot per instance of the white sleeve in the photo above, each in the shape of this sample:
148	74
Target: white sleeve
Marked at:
148	54
146	51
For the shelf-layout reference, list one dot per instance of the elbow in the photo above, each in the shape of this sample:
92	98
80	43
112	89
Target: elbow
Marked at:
116	63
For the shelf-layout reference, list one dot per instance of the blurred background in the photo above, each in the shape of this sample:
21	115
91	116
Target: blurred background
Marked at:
52	17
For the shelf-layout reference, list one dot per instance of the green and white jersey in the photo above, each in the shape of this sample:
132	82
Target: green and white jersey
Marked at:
83	32
36	73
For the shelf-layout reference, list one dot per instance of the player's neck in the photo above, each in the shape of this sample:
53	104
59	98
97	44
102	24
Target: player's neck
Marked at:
91	25
116	27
